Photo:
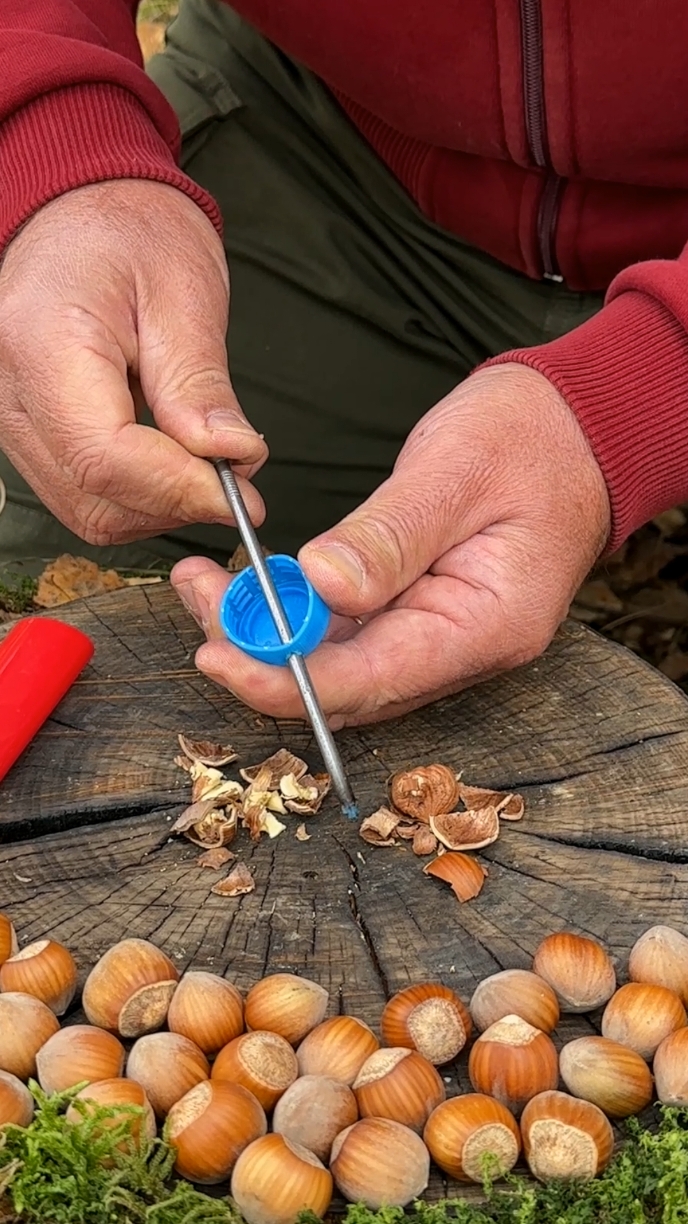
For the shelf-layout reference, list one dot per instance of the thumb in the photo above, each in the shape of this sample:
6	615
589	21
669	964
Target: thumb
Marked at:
185	378
384	546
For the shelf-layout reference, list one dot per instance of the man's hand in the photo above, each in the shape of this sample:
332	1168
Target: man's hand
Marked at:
111	292
461	565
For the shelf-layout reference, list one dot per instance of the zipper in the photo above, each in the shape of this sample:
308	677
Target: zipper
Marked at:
536	131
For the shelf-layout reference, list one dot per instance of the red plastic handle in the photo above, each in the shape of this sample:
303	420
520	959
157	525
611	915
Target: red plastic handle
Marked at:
39	661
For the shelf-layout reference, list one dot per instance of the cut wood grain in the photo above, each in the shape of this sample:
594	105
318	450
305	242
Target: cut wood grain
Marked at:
595	740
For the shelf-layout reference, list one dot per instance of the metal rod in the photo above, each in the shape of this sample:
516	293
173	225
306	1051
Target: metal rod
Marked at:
297	663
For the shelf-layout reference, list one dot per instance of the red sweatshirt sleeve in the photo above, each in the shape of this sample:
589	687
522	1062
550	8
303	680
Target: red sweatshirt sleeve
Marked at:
76	106
625	375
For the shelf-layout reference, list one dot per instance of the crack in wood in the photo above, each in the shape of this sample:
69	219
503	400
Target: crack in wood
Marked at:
360	920
29	827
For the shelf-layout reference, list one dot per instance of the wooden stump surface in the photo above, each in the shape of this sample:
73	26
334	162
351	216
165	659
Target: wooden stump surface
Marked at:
595	740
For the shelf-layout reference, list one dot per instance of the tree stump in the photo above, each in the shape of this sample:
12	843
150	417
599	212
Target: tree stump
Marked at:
595	740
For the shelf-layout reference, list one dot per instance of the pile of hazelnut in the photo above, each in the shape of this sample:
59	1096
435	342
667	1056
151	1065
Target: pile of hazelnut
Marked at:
345	1110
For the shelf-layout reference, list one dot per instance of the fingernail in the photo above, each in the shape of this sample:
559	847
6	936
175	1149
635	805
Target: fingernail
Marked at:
343	561
228	422
195	603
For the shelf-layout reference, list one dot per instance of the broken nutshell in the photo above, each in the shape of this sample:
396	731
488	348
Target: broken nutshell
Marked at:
464	874
407	831
427	791
304	795
215	829
210	783
192	815
215	858
258	806
205	752
424	841
238	882
278	766
506	805
466	830
378	828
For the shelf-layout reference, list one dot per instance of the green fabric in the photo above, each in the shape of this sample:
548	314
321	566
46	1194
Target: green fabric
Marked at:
351	314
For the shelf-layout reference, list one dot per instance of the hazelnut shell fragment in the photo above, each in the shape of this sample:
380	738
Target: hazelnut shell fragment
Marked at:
236	884
206	752
426	791
469	830
464	874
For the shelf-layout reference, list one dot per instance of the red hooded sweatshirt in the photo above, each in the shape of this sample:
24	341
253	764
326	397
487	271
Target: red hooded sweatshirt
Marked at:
552	134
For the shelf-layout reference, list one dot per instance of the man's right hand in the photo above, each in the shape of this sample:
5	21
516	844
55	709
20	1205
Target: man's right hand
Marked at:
108	286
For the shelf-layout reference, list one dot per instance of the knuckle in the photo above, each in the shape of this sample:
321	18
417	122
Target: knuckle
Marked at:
201	382
90	470
388	539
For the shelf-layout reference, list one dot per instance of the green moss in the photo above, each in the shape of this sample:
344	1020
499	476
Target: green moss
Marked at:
53	1172
646	1183
18	597
57	1172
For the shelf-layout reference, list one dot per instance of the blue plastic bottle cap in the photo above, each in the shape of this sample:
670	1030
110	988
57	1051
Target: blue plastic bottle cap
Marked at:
247	621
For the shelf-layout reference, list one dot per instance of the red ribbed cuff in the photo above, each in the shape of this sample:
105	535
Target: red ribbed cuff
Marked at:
625	375
78	135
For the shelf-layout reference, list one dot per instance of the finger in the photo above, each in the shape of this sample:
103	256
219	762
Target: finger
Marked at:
383	547
94	519
183	367
201	584
358	680
97	443
449	634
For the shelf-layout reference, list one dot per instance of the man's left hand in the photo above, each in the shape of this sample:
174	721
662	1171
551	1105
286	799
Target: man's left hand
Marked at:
460	566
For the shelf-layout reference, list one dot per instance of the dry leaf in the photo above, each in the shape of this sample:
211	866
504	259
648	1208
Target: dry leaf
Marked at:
305	795
68	578
424	792
378	828
151	36
240	559
141	581
466	830
424	841
302	834
238	881
280	763
183	762
215	858
463	873
206	752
